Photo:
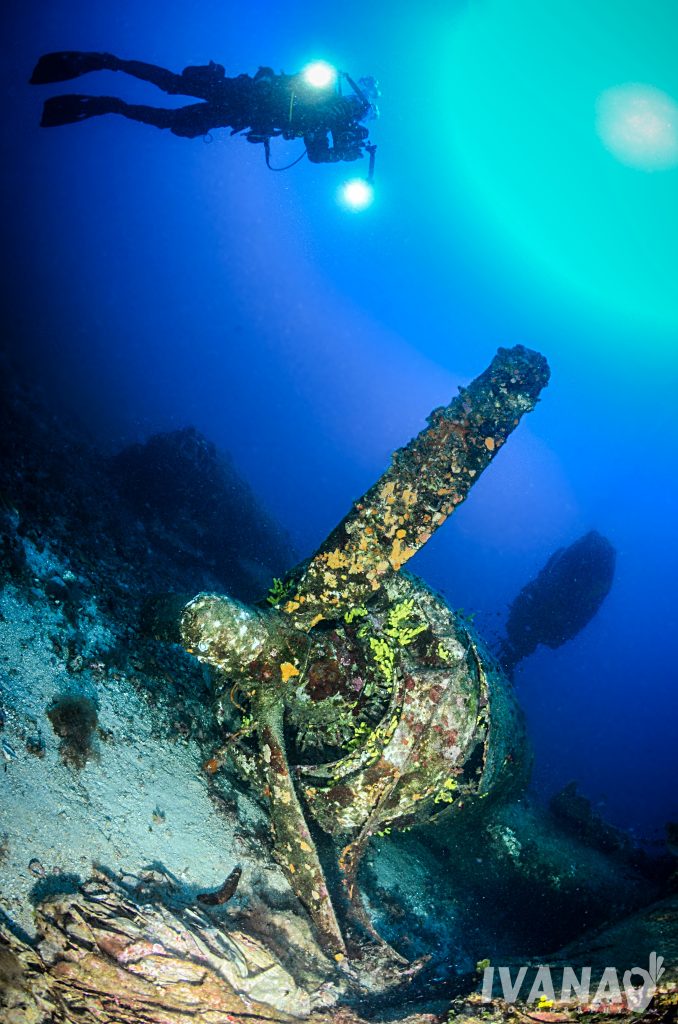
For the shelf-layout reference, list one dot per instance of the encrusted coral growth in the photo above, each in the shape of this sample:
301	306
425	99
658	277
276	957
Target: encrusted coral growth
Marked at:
426	481
392	709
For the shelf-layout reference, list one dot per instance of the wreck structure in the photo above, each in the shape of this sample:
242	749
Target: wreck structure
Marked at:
564	596
368	704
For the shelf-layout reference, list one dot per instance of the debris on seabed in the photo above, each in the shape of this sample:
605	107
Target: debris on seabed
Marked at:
8	751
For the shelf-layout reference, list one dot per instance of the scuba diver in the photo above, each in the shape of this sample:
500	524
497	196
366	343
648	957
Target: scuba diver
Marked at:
308	106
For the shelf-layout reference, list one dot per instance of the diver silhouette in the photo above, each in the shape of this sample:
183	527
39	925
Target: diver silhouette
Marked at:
263	106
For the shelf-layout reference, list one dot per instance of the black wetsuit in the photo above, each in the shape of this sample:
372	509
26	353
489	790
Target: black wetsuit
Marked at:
263	106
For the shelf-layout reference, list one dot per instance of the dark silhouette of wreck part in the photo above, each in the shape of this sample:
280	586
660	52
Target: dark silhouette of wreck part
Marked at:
556	605
574	812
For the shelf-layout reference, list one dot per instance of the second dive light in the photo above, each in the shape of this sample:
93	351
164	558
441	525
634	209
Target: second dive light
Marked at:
358	193
350	138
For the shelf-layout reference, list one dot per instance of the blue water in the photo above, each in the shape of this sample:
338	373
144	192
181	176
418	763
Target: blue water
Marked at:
153	281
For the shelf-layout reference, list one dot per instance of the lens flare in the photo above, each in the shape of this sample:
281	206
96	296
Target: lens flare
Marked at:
320	74
356	194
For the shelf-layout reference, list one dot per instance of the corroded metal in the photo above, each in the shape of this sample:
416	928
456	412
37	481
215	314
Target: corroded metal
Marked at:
368	704
426	481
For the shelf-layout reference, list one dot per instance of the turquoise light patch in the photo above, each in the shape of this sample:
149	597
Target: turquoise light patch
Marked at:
521	88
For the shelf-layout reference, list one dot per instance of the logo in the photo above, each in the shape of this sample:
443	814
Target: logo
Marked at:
634	993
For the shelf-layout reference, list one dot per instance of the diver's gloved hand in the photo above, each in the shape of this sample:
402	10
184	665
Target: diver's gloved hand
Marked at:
68	64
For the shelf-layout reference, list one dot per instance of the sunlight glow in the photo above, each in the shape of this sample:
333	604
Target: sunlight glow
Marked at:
639	125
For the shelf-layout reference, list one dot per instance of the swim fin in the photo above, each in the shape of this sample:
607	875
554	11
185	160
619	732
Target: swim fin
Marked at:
60	110
67	64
